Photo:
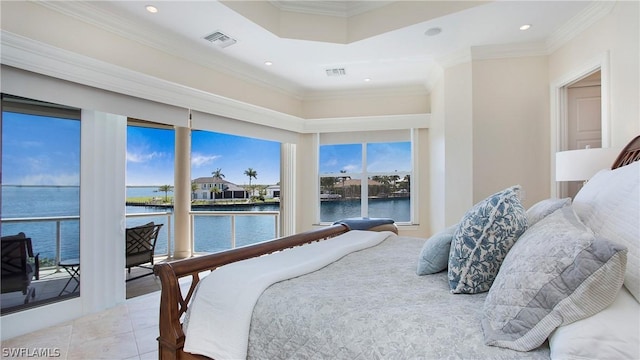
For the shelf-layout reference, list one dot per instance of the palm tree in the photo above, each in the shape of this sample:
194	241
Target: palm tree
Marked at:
327	183
251	174
218	174
194	187
165	189
215	191
342	179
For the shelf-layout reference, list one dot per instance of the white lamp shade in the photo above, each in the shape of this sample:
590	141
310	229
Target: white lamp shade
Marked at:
580	165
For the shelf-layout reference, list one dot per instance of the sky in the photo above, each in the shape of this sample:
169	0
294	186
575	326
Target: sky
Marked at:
46	151
150	157
381	157
40	150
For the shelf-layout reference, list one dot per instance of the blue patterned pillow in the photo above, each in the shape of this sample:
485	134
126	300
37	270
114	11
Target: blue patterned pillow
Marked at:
483	237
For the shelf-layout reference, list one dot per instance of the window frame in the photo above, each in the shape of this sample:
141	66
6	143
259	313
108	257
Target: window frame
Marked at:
364	138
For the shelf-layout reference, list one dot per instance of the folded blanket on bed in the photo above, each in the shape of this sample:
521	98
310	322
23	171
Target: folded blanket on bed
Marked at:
219	317
364	223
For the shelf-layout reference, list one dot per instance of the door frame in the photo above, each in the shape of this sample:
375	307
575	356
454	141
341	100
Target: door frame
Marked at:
559	112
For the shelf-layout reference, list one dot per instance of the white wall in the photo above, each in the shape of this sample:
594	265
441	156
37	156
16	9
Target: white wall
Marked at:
511	127
458	134
394	103
437	186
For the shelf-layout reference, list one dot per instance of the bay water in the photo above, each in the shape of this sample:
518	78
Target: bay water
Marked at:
211	233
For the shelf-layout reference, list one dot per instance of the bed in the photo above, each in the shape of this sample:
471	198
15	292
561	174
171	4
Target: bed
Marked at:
564	284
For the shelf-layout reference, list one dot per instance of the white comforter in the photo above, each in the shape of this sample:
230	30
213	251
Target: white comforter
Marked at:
219	317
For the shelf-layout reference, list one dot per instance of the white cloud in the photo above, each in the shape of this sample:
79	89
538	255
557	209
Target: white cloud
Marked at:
142	157
352	167
198	160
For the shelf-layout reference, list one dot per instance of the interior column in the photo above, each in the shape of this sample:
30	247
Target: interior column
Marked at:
182	194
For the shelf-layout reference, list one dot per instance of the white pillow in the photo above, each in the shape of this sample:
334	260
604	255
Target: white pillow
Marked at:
613	333
544	208
609	204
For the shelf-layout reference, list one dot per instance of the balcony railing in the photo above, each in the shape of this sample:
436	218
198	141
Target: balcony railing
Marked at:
165	228
233	215
58	220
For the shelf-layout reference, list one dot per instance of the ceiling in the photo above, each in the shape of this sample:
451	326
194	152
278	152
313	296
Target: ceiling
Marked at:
382	41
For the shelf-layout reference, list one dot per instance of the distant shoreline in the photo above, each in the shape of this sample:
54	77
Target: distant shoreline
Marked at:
202	206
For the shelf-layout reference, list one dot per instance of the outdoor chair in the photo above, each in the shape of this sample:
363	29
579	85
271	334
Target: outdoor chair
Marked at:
19	265
140	246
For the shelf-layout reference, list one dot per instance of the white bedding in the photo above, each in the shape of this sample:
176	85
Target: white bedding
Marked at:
609	204
219	317
611	334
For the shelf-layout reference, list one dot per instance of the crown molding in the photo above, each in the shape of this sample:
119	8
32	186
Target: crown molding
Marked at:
31	55
367	123
579	23
436	73
344	9
416	90
576	25
456	58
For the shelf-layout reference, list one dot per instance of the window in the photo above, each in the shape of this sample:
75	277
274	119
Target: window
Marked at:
150	177
40	198
367	179
233	205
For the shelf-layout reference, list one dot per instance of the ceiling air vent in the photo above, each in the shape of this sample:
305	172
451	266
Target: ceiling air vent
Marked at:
336	72
221	39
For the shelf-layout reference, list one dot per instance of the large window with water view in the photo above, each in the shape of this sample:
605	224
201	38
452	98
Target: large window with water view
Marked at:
40	203
235	187
235	190
149	179
368	179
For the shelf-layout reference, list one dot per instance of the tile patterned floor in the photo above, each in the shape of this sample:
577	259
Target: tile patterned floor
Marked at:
128	331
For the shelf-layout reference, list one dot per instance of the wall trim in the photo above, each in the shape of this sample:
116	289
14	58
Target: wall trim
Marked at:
367	123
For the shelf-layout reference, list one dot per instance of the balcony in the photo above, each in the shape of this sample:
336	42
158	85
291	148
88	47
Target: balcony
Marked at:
53	238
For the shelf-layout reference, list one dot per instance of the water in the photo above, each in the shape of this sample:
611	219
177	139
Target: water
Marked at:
40	201
211	233
395	208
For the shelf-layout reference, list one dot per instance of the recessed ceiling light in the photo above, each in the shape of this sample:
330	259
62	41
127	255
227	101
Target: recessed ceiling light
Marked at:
525	27
268	63
367	80
433	31
152	9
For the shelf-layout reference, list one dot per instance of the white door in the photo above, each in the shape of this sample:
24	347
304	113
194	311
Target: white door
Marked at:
584	126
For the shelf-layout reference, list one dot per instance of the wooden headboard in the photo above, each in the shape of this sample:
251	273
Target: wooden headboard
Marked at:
629	154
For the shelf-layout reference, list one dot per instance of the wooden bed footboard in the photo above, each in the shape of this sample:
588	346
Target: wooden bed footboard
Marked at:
173	304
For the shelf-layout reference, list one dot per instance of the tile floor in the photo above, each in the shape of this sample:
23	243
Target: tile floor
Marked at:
128	331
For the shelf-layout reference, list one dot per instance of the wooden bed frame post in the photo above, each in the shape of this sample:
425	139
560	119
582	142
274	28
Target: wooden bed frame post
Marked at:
171	339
